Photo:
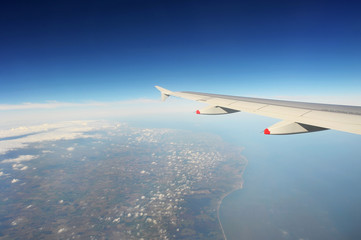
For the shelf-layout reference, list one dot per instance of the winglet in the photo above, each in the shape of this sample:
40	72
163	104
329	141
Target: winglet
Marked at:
165	93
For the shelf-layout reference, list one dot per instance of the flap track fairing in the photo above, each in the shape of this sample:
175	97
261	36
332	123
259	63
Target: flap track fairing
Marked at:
215	110
286	127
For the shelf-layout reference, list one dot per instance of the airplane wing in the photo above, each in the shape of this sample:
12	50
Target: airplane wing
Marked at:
297	117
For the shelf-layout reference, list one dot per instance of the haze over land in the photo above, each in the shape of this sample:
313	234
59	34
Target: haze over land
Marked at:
96	180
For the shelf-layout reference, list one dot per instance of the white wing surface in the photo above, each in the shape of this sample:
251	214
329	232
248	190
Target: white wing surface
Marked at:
297	117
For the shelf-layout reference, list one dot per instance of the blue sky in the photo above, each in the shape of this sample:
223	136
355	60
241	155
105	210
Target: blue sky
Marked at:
76	51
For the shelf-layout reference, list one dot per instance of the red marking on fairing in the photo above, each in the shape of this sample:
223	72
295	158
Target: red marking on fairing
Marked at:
198	112
266	131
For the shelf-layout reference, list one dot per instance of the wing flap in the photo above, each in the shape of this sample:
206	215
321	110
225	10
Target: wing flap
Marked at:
336	121
286	111
246	106
219	101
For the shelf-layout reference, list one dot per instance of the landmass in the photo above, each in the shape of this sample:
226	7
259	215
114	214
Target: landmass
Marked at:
122	183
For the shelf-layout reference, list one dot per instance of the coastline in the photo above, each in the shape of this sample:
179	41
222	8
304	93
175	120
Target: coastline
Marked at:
228	193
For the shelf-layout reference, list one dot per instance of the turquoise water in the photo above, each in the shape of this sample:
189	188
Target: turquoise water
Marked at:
262	211
298	187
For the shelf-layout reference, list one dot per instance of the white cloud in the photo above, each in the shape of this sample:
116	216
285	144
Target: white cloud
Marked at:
47	105
13	116
54	104
15	180
47	151
46	132
19	166
21	125
70	149
284	233
21	158
61	230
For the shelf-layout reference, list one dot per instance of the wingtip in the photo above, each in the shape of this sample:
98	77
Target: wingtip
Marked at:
157	87
162	89
165	93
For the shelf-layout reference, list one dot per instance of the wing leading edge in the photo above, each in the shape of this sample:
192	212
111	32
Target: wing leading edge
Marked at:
298	117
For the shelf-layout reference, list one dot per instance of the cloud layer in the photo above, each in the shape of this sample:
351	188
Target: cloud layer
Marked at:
36	114
45	132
